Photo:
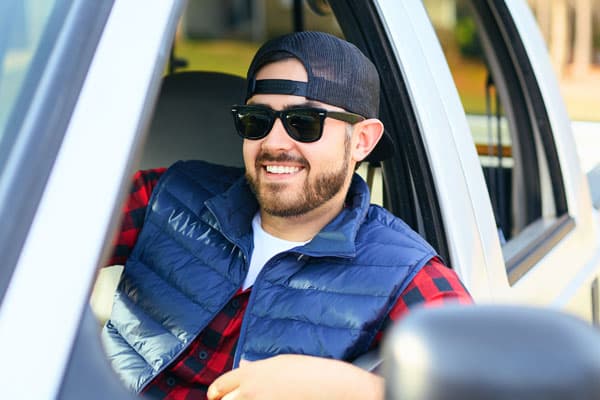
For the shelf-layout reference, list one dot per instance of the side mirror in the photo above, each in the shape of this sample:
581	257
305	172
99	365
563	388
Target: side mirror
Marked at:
492	353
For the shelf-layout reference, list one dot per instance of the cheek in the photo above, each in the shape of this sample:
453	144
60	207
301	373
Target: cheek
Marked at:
324	160
249	152
330	150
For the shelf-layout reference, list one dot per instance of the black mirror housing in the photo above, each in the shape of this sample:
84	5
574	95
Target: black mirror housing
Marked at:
492	352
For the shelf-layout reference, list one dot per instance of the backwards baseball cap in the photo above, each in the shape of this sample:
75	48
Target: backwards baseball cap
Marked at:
338	74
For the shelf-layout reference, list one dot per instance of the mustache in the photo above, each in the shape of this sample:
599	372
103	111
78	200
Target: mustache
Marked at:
280	157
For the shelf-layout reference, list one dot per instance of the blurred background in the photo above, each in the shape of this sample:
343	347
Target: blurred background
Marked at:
571	29
225	39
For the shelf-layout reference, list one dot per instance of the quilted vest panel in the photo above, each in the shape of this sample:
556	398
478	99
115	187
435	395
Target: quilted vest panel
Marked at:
328	298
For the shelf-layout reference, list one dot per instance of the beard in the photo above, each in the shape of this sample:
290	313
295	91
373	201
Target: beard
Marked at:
278	200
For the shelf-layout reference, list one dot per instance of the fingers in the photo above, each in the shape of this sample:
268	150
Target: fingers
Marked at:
233	395
224	385
244	363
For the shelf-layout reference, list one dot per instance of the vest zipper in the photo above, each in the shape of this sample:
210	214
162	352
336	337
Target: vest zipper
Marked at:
243	329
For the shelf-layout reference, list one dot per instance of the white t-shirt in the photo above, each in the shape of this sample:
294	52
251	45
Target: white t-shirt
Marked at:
265	247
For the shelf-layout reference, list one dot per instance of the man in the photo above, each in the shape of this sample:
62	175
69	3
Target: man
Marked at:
286	274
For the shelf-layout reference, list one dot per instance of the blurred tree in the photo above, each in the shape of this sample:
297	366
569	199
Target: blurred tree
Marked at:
582	48
559	38
467	38
569	31
543	13
465	31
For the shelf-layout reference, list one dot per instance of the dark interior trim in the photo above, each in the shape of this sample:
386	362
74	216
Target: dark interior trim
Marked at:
503	68
527	105
410	167
535	102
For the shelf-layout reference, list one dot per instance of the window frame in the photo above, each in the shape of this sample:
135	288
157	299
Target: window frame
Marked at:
77	215
40	118
508	57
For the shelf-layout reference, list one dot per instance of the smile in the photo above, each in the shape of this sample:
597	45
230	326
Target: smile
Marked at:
281	169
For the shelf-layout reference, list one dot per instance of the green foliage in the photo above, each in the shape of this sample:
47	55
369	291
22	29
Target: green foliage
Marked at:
467	38
596	40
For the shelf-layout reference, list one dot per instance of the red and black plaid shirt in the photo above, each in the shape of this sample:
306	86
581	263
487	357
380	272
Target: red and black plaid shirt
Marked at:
211	353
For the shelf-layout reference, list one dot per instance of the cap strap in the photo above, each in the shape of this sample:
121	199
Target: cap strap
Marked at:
277	86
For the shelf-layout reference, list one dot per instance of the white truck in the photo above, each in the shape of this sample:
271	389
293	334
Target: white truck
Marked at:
90	91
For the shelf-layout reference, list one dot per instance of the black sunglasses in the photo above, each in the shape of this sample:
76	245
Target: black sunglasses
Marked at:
303	124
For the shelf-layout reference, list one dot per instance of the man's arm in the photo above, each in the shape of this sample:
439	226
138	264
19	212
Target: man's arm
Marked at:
306	377
434	285
133	214
299	377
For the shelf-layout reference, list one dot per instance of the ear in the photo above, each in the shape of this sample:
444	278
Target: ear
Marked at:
365	136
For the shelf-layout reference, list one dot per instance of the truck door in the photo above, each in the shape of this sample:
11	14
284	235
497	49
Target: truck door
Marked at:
521	133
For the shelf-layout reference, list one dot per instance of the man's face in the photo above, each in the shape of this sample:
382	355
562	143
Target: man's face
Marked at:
291	178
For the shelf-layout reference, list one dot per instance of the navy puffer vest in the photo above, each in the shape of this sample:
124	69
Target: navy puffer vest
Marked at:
327	298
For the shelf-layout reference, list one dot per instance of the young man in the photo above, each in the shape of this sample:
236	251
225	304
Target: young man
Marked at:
286	274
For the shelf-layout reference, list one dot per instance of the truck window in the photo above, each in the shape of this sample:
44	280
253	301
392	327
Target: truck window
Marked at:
216	37
508	124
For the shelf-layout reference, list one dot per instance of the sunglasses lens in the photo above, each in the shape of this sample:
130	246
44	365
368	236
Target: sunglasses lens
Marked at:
304	125
252	123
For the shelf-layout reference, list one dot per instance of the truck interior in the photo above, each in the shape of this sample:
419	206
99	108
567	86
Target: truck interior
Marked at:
205	76
212	50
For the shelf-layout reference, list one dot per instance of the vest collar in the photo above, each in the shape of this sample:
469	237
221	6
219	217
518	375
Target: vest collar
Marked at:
338	237
232	211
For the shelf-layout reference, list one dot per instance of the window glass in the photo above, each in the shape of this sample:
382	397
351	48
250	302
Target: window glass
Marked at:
214	36
23	22
499	112
571	30
460	40
28	32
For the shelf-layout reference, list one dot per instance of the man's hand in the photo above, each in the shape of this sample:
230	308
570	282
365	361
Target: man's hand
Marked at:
296	377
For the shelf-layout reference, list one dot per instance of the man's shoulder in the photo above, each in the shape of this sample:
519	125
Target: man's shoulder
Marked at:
384	228
379	216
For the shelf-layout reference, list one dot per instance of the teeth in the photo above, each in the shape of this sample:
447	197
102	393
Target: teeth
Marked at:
279	169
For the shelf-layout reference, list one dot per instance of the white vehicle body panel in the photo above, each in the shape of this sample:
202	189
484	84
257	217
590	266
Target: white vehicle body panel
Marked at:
474	245
574	263
105	122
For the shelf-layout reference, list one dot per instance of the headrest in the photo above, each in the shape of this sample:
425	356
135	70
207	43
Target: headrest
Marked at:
192	120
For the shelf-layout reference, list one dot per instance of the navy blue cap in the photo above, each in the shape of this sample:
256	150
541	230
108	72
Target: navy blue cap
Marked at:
338	74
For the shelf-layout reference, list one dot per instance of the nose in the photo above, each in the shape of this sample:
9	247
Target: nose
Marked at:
278	138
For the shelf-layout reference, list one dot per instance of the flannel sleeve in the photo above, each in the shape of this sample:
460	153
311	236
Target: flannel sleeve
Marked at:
434	285
133	214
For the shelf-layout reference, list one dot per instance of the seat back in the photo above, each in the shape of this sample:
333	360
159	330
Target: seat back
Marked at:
192	120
